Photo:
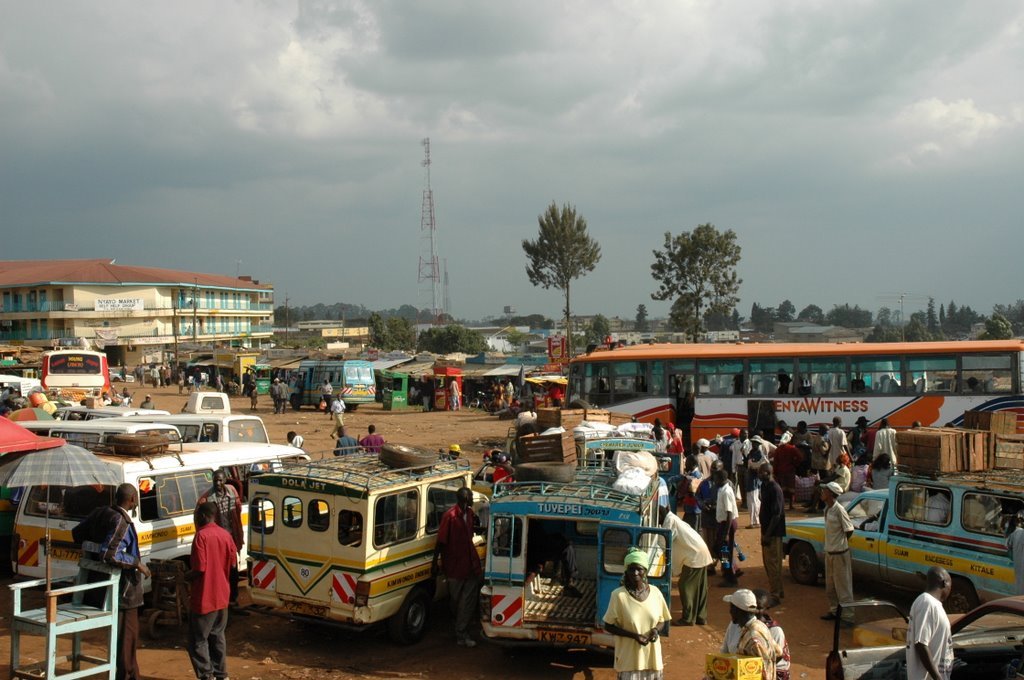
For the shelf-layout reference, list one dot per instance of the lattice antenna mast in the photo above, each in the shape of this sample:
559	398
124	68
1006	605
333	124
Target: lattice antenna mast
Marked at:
447	300
429	272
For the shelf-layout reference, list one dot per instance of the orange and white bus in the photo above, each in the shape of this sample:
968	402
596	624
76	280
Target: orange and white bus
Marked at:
75	373
709	389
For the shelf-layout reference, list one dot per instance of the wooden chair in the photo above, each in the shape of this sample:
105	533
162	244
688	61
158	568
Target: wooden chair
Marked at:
73	618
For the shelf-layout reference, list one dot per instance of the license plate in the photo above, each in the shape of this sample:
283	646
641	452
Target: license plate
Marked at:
318	611
66	554
563	637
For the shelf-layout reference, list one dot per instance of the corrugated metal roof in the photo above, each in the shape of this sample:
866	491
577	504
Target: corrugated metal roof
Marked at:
504	369
385	364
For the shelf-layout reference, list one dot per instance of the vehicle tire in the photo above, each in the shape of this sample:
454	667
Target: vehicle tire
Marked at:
580	403
153	625
803	564
407	626
399	456
962	598
545	472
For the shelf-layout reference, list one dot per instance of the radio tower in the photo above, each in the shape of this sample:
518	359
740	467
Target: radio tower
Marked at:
430	273
446	309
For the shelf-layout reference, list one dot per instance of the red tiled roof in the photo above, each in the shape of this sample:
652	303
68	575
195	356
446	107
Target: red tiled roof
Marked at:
40	272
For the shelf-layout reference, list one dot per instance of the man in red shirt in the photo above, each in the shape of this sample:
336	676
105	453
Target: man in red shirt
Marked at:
213	558
460	562
786	459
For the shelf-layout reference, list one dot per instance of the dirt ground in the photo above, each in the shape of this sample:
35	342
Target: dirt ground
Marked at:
263	646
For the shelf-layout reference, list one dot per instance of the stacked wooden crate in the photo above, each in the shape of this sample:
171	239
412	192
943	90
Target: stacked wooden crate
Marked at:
997	422
942	449
1008	451
1006	447
537	448
573	417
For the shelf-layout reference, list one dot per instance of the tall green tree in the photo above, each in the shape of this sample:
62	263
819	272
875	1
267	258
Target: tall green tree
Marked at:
599	329
849	317
785	311
641	318
562	253
401	334
378	331
451	338
997	327
811	314
932	319
697	271
883	317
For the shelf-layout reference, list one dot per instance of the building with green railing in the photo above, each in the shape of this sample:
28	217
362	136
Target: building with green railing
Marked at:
48	303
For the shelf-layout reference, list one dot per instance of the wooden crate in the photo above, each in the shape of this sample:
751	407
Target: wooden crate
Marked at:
924	450
1008	451
999	422
597	415
616	418
538	448
549	417
977	450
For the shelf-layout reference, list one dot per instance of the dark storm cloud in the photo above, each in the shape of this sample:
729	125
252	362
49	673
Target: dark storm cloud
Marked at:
849	145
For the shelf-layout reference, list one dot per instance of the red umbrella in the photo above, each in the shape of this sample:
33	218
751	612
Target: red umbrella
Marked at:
14	437
24	414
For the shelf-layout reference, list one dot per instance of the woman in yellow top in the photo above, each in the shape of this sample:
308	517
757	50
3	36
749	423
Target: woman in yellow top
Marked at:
635	613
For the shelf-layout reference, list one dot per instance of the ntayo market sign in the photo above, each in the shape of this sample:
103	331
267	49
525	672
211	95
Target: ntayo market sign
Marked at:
119	305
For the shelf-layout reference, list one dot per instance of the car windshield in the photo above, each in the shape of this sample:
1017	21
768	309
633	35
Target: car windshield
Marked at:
877	624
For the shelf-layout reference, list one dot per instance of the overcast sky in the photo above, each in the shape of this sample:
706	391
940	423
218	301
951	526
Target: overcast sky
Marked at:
858	149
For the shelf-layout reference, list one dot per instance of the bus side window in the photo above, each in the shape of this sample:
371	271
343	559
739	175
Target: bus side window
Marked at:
350	528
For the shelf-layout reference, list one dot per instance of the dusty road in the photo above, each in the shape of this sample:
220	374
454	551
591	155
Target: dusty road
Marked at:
269	647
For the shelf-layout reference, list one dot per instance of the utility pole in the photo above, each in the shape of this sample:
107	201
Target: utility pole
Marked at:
287	323
174	325
195	307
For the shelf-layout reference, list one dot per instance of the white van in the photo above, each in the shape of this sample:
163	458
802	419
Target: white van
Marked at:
213	427
207	403
169	486
23	385
92	433
86	413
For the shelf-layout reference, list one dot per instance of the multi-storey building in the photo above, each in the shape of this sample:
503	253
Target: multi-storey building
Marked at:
48	303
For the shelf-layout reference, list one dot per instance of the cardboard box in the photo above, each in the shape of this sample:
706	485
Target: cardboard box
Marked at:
732	667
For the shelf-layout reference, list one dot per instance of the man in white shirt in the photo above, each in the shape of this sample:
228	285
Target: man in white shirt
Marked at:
337	412
740	449
726	514
929	644
936	508
837	442
690	561
1015	548
885	441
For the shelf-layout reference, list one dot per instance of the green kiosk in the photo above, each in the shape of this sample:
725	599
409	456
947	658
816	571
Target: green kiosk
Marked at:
395	388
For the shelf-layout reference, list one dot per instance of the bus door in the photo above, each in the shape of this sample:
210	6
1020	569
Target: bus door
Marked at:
682	381
613	542
302	547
